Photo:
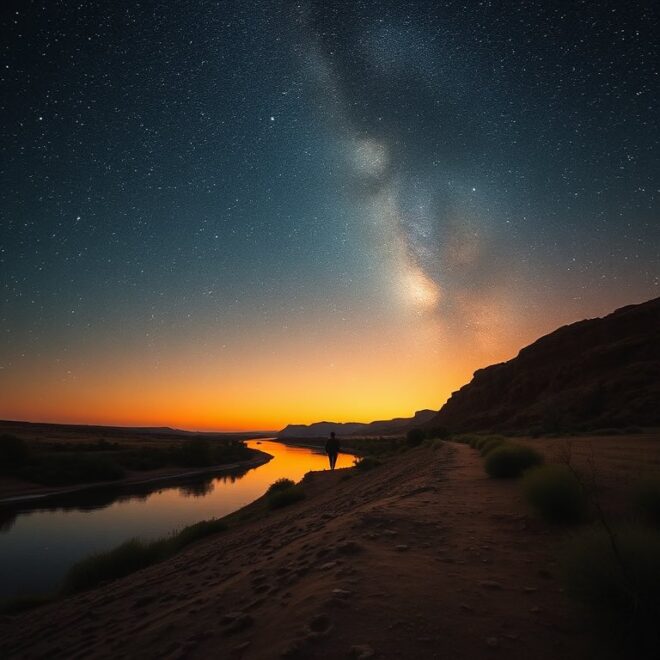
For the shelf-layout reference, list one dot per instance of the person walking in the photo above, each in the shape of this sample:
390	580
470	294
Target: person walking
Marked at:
332	449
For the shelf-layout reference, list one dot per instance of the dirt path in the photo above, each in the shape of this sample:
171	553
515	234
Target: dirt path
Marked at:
423	557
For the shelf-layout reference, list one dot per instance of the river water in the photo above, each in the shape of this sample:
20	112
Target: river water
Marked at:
40	542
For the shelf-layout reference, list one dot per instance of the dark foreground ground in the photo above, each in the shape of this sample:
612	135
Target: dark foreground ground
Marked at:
422	557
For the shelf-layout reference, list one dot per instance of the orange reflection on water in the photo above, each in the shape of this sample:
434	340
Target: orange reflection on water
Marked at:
42	544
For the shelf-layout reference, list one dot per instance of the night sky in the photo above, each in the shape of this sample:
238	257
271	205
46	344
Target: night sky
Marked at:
233	215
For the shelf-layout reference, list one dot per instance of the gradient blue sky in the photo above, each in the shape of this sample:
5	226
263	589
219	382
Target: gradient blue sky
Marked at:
238	214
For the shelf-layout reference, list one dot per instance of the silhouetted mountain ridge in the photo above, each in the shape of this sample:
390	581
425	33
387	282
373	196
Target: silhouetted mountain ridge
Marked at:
595	373
381	427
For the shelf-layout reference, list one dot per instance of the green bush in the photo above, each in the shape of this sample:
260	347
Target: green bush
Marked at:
280	484
555	492
282	498
13	452
366	463
489	444
415	437
127	558
134	555
193	533
509	461
474	441
618	580
646	499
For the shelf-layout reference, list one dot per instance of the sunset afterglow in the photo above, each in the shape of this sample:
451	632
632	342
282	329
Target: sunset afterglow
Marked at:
306	214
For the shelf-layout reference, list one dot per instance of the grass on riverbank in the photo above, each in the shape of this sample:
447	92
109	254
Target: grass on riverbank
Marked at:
284	492
134	555
129	557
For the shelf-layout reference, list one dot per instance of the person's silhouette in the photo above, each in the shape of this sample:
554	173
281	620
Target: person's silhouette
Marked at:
332	449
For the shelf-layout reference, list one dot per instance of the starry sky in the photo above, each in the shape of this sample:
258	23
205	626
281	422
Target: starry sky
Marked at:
236	214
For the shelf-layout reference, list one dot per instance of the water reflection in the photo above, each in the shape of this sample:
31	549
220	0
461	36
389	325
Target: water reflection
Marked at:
40	540
197	490
7	519
92	499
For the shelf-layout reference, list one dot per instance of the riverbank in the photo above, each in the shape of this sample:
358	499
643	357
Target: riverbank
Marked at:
421	557
13	491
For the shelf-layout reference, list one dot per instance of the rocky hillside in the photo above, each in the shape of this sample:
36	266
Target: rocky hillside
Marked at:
385	427
596	373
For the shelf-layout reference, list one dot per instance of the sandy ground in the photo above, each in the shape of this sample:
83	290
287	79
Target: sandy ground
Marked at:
423	557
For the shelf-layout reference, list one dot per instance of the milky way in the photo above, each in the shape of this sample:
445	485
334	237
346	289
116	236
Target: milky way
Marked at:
364	201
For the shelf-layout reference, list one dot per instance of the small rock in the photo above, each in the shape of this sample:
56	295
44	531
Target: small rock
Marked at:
361	652
328	565
402	547
341	593
390	532
493	642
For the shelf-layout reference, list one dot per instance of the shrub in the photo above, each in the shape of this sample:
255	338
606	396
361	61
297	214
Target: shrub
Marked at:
133	555
193	533
13	452
281	498
509	461
415	437
366	463
555	492
474	441
387	446
620	587
126	558
64	469
480	442
646	499
280	484
489	444
195	453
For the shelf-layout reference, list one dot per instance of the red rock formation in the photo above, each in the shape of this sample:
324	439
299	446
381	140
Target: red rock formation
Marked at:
600	372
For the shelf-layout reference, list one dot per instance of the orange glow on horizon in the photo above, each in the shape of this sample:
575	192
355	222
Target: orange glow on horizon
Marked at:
295	375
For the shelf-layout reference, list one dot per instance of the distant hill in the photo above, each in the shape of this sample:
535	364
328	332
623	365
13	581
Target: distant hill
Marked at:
384	427
597	373
162	432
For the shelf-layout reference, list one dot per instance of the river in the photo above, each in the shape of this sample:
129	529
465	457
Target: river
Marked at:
38	544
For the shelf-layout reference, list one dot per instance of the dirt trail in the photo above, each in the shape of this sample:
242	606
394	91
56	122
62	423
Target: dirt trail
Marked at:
423	557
